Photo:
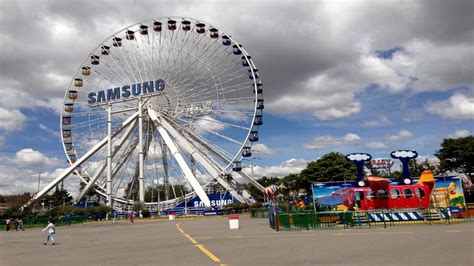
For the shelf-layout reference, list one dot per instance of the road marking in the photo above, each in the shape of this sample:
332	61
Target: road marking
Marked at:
200	246
190	238
208	253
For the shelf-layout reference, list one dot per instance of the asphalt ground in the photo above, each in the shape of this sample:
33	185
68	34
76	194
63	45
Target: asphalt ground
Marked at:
209	241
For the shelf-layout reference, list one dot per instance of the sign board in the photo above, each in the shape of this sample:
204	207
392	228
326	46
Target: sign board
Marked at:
217	201
381	163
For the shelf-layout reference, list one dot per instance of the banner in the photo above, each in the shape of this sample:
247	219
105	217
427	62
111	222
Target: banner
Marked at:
448	192
217	201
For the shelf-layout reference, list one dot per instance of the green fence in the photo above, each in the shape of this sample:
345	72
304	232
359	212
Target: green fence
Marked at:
259	213
361	219
43	221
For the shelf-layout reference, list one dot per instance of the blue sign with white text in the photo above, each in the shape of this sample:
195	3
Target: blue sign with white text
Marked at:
217	200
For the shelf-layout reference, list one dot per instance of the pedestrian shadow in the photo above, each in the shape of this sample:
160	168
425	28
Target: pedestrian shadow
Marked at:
55	244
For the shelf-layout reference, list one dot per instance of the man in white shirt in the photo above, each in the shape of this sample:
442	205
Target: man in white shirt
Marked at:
51	231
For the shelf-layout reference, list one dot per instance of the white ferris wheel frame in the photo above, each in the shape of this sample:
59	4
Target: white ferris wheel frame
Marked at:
165	129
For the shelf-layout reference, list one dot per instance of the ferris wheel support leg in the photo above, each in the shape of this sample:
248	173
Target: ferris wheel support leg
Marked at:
141	187
78	163
217	153
109	156
103	165
179	158
212	168
166	177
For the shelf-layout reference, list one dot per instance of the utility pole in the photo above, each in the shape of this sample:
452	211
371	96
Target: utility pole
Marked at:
39	182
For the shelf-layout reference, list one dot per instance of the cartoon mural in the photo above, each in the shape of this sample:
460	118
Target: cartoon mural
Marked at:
448	192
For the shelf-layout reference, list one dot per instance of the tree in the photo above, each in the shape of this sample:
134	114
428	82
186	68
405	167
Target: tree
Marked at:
293	182
457	155
17	200
331	167
59	197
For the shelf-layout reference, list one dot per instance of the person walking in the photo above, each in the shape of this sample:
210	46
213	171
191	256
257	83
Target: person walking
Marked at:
9	224
51	232
19	224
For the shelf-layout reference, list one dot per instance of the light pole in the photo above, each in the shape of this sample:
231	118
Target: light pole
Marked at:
252	165
252	171
39	181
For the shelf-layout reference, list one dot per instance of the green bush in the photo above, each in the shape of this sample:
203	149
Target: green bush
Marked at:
145	213
63	210
104	209
79	211
91	210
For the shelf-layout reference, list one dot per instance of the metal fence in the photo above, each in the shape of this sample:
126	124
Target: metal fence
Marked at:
259	213
367	219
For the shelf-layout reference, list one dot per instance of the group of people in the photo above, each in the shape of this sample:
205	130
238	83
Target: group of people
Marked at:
17	224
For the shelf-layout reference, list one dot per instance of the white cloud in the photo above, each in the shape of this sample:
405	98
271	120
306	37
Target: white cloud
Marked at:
413	117
329	141
322	95
291	166
460	133
377	145
262	149
207	123
17	179
380	121
403	134
29	157
11	120
49	130
458	106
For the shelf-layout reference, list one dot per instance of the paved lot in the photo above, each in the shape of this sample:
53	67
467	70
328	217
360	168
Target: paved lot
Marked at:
208	241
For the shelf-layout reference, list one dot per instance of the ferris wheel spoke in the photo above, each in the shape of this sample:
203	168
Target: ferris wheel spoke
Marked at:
139	52
123	76
212	81
111	70
183	41
203	142
129	68
195	66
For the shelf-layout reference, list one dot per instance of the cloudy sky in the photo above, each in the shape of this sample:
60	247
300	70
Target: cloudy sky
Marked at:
348	76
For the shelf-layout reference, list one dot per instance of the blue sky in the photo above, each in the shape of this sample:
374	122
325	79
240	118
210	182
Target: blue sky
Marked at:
348	77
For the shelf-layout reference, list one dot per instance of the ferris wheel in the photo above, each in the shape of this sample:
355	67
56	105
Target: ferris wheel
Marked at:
169	101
